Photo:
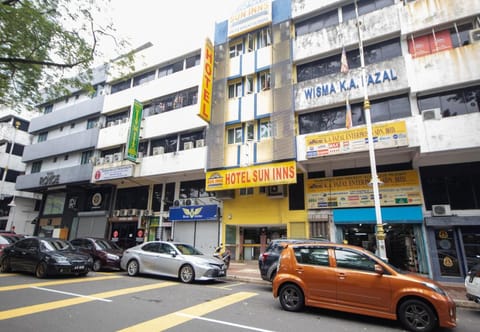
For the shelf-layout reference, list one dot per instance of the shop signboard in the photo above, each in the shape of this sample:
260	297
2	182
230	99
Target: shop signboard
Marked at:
398	189
193	212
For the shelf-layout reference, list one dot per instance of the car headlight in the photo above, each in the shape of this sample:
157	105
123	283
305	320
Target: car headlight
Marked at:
60	260
435	288
112	257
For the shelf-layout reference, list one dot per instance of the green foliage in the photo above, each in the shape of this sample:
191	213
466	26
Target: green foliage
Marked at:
48	47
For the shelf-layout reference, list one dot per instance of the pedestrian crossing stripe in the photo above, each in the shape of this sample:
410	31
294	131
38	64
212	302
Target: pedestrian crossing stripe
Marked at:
182	316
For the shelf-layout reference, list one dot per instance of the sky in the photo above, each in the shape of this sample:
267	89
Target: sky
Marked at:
180	25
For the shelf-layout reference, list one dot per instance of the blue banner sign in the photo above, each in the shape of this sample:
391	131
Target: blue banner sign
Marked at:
193	212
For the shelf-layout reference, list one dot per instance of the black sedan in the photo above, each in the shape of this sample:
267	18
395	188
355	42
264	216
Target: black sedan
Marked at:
45	256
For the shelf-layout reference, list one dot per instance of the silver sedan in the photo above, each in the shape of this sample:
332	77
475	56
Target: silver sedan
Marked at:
172	259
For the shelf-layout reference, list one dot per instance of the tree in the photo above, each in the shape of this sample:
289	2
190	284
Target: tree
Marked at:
54	42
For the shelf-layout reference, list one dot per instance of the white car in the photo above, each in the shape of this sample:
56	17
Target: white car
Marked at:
172	259
472	284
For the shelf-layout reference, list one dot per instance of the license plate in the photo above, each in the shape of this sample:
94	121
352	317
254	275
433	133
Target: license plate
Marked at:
79	267
221	273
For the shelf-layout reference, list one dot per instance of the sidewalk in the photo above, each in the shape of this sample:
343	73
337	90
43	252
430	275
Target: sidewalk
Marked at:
247	271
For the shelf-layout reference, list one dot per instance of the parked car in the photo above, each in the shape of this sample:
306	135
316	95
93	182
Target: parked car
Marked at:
267	261
172	259
352	279
106	254
45	256
7	239
472	284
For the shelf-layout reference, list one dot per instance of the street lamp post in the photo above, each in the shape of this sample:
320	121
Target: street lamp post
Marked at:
380	234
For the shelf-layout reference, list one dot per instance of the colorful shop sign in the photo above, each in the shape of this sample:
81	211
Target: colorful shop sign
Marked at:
253	176
387	135
398	188
250	15
134	133
207	82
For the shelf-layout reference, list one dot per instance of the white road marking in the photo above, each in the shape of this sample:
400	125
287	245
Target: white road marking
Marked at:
223	322
72	294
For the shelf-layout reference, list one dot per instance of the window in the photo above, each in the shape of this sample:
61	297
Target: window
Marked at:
264	37
48	109
86	155
91	123
192	61
42	137
165	71
144	78
381	110
354	260
249	84
264	80
246	191
120	86
317	23
72	125
236	49
193	189
66	157
364	7
36	166
235	90
265	129
188	140
54	159
234	135
452	103
312	256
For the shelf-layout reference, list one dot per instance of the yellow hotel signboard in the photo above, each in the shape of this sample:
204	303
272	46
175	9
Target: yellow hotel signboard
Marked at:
387	135
253	176
399	188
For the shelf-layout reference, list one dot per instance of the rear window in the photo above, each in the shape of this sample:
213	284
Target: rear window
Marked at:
312	255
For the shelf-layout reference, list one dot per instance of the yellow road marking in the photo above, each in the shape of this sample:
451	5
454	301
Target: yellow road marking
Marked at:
13	313
185	315
57	282
227	286
7	274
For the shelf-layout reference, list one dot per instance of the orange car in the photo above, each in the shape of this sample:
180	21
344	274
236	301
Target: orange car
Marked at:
349	278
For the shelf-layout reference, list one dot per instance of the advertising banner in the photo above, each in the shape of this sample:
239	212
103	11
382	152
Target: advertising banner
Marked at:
398	188
134	133
386	135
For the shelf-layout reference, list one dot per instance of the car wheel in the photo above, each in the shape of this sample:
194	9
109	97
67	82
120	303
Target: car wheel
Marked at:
5	265
97	265
416	315
186	274
41	270
132	267
291	298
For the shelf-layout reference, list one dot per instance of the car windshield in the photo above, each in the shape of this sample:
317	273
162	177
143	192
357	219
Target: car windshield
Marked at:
187	249
53	245
104	244
6	240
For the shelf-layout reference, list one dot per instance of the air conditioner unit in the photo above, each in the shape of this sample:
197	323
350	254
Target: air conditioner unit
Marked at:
225	194
432	114
100	161
133	212
276	191
109	158
123	213
118	156
158	150
116	213
200	143
441	210
188	145
474	35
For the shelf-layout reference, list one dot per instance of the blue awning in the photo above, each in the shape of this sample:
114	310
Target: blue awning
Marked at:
393	215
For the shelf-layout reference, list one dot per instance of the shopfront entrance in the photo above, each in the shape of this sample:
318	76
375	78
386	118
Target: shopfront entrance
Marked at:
124	234
455	245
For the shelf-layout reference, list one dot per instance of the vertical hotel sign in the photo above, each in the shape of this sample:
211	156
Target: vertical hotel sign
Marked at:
207	80
250	15
134	133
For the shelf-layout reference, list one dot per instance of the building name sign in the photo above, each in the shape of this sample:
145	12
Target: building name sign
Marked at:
50	179
398	188
386	135
330	88
250	15
254	176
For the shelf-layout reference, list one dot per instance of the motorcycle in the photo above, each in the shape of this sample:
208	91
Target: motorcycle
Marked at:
224	255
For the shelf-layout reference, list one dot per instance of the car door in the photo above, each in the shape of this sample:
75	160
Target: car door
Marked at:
358	285
27	255
149	258
170	264
313	267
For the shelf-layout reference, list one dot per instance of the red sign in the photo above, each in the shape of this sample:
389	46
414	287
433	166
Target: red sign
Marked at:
115	233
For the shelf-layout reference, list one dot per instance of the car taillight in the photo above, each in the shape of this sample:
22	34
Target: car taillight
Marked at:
264	257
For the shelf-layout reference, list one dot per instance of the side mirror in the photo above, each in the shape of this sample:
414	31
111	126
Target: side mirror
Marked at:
379	269
173	253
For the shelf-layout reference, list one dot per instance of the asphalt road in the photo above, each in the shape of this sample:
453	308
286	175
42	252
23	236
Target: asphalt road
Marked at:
115	302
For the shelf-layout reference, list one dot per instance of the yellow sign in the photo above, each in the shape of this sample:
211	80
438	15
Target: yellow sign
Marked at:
254	176
398	188
207	82
386	135
250	15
